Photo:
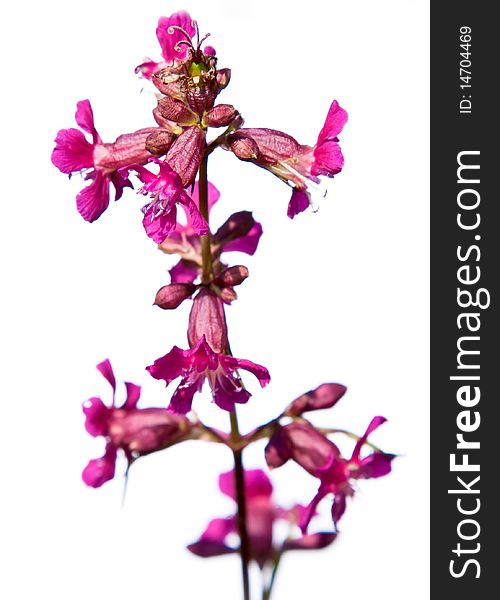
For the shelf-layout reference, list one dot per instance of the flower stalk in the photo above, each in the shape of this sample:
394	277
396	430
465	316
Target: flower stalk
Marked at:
239	473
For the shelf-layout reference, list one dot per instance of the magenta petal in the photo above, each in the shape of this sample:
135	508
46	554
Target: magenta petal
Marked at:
170	366
158	226
72	152
298	203
310	511
106	371
182	399
375	465
257	484
85	119
93	200
338	508
100	470
196	219
247	243
313	541
183	272
328	159
213	195
133	395
334	123
169	40
209	548
375	423
260	372
226	395
96	417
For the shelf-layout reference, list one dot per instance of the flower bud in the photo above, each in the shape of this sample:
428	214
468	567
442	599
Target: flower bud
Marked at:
228	295
223	77
232	276
159	142
243	147
172	295
324	396
177	111
220	115
147	430
207	318
185	154
302	443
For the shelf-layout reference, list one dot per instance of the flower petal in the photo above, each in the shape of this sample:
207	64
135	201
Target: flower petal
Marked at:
313	541
184	272
93	200
257	484
85	119
170	366
334	123
72	152
259	371
100	470
133	395
298	203
96	417
247	243
168	40
106	371
158	226
182	399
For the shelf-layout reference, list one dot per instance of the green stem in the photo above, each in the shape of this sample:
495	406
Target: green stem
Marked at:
266	594
206	240
239	478
239	473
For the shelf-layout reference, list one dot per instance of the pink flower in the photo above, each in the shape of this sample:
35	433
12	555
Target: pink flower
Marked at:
101	162
337	474
175	35
240	233
262	515
135	431
166	191
200	363
297	165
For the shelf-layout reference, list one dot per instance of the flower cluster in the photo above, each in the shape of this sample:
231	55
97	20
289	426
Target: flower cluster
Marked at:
169	160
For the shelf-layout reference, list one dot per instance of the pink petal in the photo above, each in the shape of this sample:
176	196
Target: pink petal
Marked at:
375	423
96	417
328	159
170	366
260	372
298	203
196	219
182	399
257	484
158	227
208	548
106	371
334	123
169	40
85	119
133	395
247	243
212	193
375	465
184	272
100	470
93	200
313	541
72	152
226	395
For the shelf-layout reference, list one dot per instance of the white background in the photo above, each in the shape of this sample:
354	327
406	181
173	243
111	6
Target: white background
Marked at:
340	295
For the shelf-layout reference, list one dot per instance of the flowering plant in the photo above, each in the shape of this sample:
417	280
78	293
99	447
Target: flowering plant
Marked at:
170	160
